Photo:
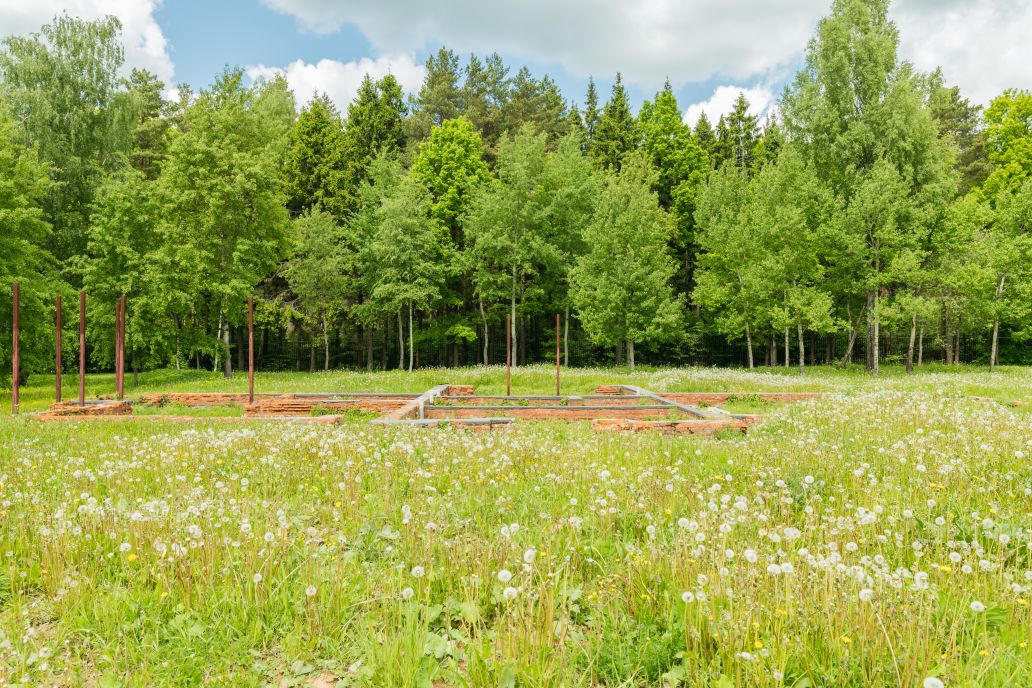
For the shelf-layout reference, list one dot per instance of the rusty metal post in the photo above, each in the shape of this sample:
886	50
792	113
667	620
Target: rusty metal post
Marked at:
557	359
250	349
15	372
121	353
82	348
118	319
57	352
120	347
508	357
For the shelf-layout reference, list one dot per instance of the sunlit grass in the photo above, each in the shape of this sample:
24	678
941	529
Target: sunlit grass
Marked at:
877	537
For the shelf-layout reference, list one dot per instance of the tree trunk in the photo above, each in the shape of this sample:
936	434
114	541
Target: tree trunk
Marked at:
385	353
748	345
802	347
773	351
566	338
401	343
630	354
411	340
487	332
788	352
242	348
996	326
326	343
873	329
947	328
227	365
618	354
910	345
367	334
956	351
313	356
512	319
920	346
872	341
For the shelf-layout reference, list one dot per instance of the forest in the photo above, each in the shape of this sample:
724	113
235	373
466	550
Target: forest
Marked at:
874	216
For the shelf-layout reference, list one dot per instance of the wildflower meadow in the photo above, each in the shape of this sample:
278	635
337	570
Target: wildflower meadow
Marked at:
877	536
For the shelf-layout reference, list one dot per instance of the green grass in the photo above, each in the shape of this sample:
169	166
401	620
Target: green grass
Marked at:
166	554
1006	385
192	411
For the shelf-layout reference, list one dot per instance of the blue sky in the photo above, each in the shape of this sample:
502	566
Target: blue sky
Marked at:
710	49
201	44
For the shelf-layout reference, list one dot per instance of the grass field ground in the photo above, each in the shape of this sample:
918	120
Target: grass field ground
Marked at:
880	536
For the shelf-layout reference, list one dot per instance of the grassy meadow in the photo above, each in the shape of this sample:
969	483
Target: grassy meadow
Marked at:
880	536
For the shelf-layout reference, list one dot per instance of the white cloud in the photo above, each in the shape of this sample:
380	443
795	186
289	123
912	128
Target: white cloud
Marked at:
983	46
145	44
648	41
340	80
723	100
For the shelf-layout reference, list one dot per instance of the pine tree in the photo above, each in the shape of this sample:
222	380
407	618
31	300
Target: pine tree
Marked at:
375	122
439	99
485	94
681	166
315	172
615	135
149	143
960	122
741	133
706	137
591	112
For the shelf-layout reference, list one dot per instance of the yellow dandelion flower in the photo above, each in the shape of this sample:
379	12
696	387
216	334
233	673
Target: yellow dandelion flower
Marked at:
131	557
983	653
758	645
846	639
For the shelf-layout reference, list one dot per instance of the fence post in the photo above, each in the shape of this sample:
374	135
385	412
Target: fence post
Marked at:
15	372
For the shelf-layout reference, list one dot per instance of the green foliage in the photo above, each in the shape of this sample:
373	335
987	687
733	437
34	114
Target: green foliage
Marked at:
315	170
223	225
24	184
680	162
62	85
621	286
375	124
450	166
1009	141
615	134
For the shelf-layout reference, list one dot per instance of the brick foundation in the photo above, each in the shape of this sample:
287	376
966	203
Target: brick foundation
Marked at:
71	409
718	398
669	427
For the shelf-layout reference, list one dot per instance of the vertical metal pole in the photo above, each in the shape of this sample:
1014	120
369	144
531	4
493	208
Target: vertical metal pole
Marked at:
57	353
15	372
508	357
250	349
120	347
121	354
557	359
118	344
82	348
